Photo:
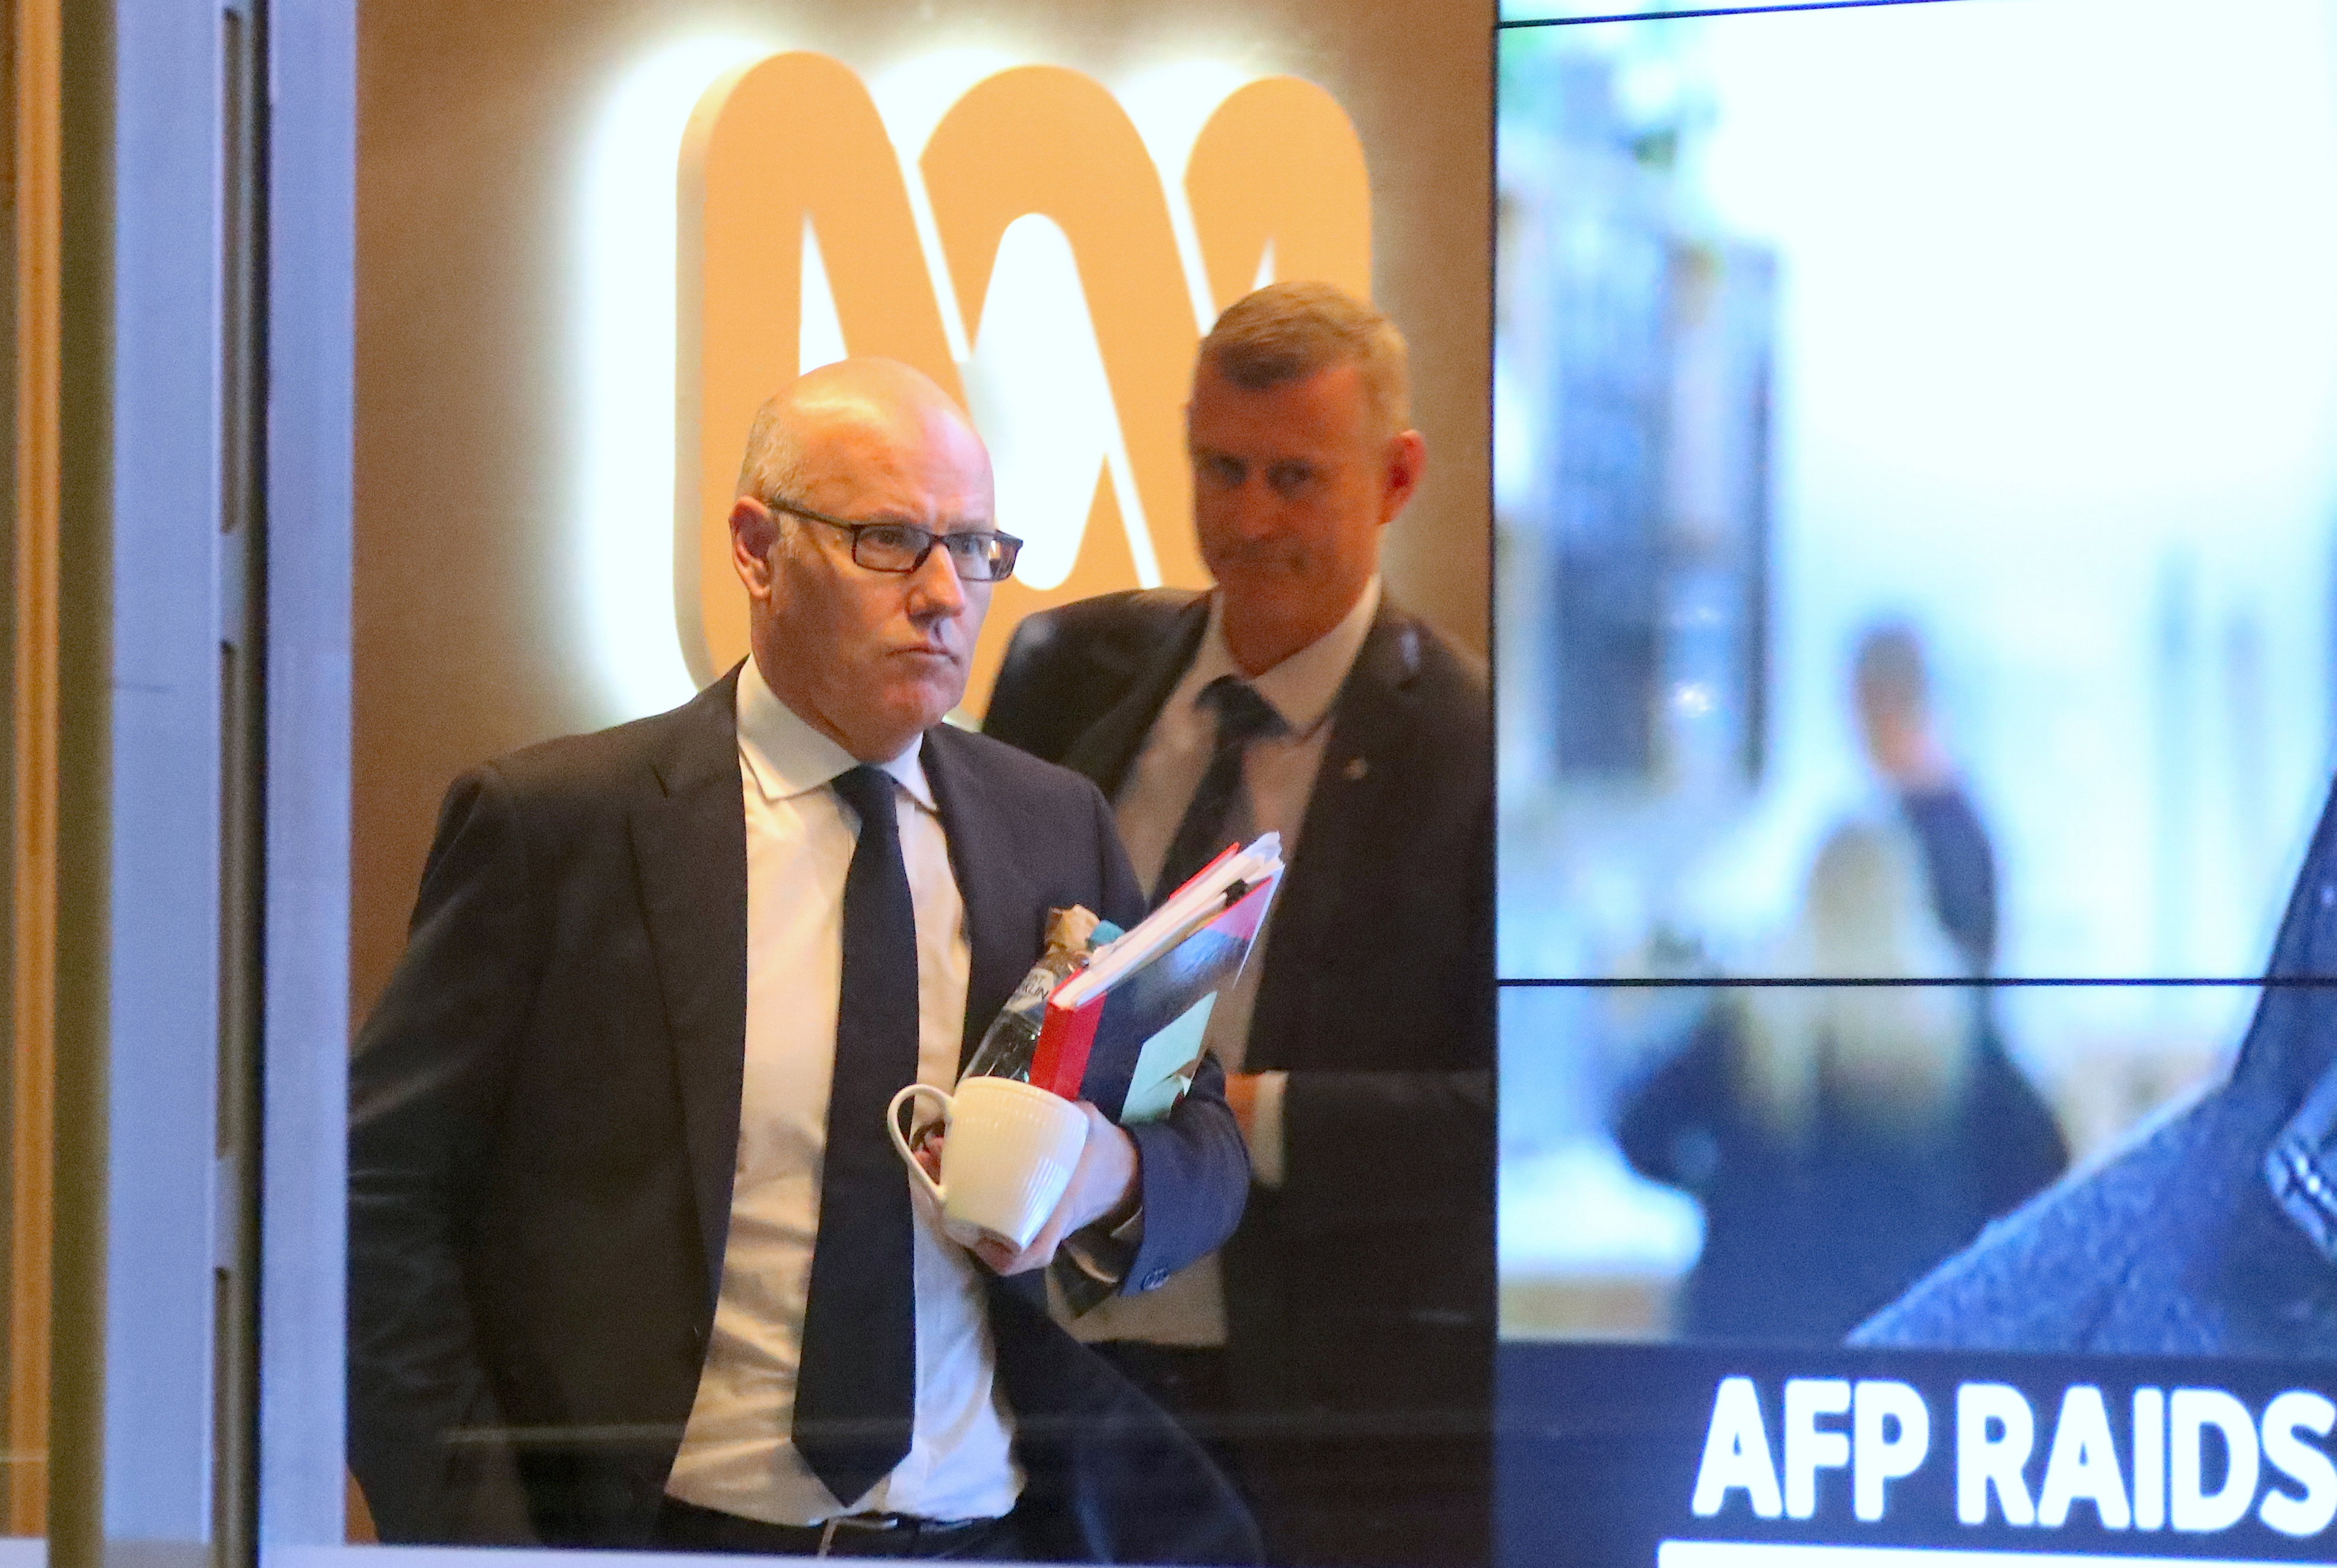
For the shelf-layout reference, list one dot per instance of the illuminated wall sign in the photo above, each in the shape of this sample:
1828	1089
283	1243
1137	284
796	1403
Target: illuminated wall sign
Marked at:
1031	256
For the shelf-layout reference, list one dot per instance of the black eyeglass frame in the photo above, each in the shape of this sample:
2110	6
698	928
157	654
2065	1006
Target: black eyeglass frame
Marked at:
1001	547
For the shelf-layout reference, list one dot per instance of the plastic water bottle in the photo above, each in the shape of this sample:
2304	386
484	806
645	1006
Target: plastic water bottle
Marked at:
1012	1038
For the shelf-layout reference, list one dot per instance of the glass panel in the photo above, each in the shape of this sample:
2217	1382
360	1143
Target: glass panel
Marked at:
585	1233
1919	413
1916	563
1774	1164
1740	1224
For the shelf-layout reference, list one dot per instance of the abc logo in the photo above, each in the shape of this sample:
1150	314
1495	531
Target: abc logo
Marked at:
1030	261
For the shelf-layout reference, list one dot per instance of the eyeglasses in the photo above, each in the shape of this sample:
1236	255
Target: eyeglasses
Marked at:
980	556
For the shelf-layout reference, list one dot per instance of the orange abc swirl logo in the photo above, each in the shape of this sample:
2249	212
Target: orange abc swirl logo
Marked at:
1049	252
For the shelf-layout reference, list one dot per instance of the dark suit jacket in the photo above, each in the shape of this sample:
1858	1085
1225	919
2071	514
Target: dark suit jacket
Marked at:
544	1116
1360	1295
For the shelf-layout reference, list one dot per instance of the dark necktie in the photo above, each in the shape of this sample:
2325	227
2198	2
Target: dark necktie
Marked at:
856	1391
1242	717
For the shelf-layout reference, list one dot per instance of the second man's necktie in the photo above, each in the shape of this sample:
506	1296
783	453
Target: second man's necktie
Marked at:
1209	822
856	1394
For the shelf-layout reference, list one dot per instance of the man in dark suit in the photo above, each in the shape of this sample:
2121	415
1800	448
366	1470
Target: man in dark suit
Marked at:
1339	1350
632	1262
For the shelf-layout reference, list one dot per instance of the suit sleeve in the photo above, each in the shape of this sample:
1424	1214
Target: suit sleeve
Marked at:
1381	1146
1037	700
1194	1169
427	1082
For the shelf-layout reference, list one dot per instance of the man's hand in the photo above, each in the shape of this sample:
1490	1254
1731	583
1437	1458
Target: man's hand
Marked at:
1104	1185
1241	1099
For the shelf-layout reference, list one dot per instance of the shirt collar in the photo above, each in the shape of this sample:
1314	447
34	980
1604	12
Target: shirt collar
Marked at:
787	756
1301	688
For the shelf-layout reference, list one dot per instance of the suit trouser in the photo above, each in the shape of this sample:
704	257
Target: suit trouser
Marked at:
686	1528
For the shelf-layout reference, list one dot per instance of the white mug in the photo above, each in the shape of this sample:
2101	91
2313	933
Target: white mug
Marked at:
1009	1155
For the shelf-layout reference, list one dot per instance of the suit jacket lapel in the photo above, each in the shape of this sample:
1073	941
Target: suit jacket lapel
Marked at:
1109	745
1000	902
690	853
1370	728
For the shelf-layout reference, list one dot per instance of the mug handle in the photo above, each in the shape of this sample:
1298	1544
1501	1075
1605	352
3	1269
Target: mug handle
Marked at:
900	1142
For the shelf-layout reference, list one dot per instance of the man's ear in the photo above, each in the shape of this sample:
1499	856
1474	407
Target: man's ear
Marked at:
1406	461
754	531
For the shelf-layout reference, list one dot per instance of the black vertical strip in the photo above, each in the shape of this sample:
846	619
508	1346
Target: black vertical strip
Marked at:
243	664
84	785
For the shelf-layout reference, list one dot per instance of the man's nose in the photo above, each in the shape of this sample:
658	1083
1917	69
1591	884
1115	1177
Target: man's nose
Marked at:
1249	507
935	590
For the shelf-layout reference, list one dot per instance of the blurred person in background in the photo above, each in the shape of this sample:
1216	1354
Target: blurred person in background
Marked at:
1843	1139
1892	688
2215	1233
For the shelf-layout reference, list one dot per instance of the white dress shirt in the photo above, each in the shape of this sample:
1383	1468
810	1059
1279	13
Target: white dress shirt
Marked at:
1277	779
736	1453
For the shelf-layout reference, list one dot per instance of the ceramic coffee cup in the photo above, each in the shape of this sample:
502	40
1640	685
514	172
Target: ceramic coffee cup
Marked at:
1009	1155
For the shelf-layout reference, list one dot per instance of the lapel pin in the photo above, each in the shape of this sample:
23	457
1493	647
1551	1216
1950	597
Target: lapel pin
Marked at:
1356	769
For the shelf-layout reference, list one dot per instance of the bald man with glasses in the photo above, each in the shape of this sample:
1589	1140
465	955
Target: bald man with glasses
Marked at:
632	1260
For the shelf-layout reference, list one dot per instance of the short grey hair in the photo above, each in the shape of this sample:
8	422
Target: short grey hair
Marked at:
1287	331
773	465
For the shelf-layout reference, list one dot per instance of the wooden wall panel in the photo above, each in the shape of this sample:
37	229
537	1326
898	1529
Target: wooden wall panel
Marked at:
36	149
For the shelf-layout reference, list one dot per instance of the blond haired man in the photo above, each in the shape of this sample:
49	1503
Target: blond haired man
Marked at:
1339	1349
